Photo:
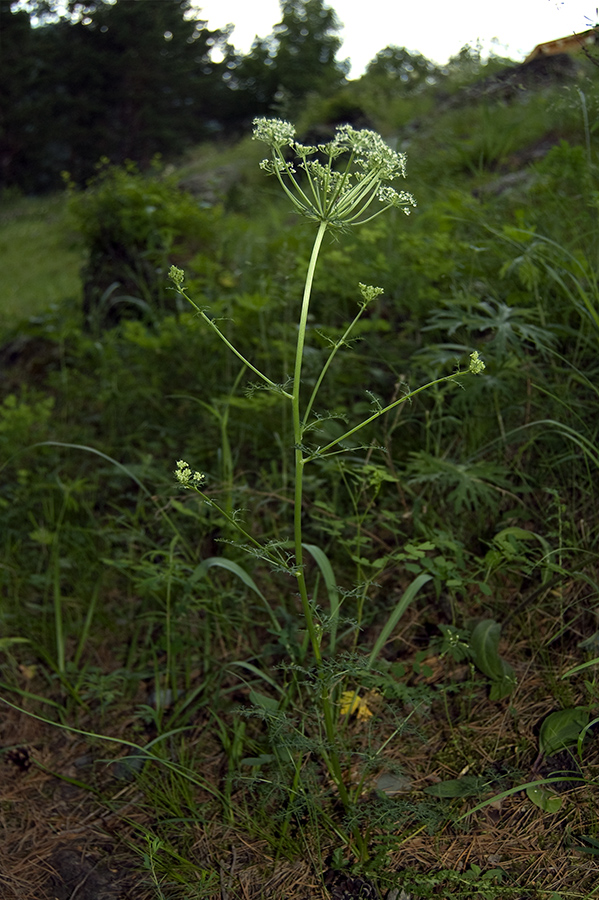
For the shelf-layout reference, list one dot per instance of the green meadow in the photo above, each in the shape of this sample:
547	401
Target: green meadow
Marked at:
383	682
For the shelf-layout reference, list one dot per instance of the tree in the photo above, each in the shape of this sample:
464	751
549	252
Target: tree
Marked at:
395	67
156	74
307	45
86	79
17	74
124	79
298	58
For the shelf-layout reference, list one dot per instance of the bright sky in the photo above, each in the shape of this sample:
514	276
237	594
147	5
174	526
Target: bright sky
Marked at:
436	28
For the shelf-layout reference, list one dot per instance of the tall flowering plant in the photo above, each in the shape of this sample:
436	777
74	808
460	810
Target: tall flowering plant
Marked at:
337	185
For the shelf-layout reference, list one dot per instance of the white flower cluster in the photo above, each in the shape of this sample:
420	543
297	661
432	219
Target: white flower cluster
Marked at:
371	152
272	166
369	292
186	477
275	132
304	150
401	199
342	195
329	180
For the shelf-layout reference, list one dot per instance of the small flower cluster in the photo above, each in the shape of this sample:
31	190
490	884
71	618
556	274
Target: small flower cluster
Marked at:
276	165
336	196
371	151
369	292
476	364
275	132
186	477
177	276
400	199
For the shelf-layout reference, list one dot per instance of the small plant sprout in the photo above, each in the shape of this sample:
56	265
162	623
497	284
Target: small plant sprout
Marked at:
343	183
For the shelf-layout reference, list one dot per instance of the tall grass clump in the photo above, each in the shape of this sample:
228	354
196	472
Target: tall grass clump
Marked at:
337	186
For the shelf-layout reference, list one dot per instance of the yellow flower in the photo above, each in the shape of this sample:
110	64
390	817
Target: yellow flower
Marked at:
351	702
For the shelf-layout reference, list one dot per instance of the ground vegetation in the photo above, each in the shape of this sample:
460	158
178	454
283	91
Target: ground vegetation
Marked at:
162	731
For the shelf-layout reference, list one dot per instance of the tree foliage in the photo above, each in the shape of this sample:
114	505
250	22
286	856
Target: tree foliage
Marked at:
86	80
297	59
122	80
395	67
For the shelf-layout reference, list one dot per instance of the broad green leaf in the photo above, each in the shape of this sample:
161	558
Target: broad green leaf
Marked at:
515	790
183	509
268	704
391	785
222	563
418	551
503	687
257	760
591	643
9	641
593	845
544	799
360	560
583	734
484	644
398	611
230	566
42	536
242	664
561	729
522	534
468	786
581	667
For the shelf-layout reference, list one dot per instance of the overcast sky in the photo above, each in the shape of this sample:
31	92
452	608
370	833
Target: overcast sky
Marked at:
436	28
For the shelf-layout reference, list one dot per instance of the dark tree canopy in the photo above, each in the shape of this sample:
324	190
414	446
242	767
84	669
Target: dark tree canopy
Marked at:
307	44
297	59
396	67
127	79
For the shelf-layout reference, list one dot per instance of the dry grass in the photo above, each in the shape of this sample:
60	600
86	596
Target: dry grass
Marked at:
60	840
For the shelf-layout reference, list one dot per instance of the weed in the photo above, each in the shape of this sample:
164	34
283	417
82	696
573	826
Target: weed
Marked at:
138	611
334	198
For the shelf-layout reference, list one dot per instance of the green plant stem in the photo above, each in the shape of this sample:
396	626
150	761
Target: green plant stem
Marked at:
277	559
331	757
299	457
171	667
225	445
225	340
58	618
57	593
338	344
318	454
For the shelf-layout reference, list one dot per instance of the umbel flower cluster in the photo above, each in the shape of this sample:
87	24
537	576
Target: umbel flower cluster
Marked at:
335	183
186	477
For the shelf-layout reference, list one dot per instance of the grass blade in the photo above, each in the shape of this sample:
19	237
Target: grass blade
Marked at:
326	569
400	608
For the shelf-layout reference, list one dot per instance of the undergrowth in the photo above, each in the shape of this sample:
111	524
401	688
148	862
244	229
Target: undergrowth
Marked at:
134	623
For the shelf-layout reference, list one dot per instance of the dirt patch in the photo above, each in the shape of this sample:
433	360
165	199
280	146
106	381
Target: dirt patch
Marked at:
57	841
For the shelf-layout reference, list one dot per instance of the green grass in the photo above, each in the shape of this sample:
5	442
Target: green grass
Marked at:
133	624
40	256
